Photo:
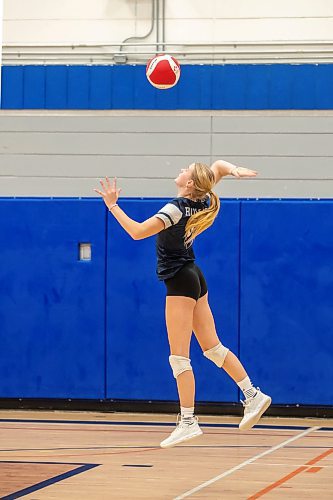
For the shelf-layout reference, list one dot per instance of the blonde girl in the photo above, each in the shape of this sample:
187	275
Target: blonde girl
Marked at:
187	309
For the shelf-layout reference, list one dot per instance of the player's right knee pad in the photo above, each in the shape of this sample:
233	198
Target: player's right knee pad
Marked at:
217	354
179	364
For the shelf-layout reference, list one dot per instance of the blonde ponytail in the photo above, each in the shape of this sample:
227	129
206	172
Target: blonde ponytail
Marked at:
204	180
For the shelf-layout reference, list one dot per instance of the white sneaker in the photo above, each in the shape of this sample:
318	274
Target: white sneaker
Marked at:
183	432
253	409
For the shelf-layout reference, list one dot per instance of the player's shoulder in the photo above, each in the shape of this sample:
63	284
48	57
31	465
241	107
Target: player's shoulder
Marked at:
175	201
171	212
181	202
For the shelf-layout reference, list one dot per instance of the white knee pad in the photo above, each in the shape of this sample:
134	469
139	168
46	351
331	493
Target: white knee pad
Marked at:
217	354
179	364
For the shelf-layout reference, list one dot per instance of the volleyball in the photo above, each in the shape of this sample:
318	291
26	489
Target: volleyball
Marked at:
163	71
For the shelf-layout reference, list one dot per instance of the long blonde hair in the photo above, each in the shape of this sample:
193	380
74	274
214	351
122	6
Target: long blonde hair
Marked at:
204	180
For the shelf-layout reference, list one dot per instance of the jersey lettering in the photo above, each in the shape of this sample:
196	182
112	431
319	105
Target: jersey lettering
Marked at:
190	211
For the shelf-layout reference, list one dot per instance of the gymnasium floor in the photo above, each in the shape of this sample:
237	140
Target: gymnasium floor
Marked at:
85	455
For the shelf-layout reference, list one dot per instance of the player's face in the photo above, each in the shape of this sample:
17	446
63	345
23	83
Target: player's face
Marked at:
184	178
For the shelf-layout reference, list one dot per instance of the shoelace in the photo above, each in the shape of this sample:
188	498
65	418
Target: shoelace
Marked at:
189	421
248	401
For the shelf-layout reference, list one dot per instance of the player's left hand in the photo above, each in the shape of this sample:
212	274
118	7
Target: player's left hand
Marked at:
110	193
243	172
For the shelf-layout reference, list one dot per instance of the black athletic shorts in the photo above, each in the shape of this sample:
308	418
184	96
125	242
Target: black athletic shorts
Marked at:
187	282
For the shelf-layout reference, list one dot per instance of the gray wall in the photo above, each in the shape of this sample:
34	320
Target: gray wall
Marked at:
65	153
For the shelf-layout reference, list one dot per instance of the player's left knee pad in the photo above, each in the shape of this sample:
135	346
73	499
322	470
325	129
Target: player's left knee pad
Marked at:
217	354
179	364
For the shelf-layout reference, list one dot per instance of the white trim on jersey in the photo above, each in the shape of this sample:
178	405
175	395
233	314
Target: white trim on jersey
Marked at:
169	214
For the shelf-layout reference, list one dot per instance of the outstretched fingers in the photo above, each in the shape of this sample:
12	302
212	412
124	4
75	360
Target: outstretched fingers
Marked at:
245	172
109	191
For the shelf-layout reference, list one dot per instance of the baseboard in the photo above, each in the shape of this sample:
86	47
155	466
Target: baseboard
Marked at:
142	406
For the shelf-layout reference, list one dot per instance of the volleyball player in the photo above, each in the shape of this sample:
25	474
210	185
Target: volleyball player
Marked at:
187	310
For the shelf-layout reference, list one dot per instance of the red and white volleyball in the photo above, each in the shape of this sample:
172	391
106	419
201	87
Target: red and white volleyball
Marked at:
163	71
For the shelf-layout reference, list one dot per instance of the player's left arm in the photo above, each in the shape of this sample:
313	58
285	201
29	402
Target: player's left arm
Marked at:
137	230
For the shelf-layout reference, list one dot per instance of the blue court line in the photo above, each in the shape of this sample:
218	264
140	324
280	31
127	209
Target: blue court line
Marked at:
47	482
47	463
150	424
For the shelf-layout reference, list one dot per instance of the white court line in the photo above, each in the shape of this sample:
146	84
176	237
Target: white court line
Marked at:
244	464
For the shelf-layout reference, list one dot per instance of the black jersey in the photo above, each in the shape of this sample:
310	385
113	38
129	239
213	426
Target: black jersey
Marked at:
172	253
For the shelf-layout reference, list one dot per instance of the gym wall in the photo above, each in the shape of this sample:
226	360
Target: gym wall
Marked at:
64	153
45	22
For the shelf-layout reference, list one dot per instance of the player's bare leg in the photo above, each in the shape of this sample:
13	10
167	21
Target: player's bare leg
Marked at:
256	402
179	318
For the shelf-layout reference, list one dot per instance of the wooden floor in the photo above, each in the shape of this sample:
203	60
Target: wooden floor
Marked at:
84	455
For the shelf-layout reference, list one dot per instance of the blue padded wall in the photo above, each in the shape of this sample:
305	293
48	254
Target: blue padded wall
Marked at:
52	313
71	329
287	297
230	86
138	352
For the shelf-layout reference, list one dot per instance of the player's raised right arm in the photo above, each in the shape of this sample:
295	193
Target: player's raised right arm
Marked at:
221	168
